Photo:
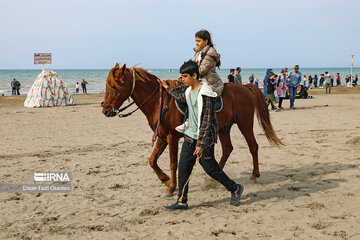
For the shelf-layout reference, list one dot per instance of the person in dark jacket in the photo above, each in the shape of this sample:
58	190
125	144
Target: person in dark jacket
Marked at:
200	137
83	86
315	81
271	85
230	78
15	87
265	81
251	79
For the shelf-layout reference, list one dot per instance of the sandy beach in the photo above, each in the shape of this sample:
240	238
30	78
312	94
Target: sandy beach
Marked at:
308	189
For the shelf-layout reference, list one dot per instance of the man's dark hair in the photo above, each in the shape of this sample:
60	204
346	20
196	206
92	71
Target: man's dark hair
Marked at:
326	72
232	70
190	67
238	68
271	74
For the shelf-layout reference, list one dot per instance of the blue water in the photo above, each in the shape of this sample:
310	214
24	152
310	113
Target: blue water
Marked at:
97	77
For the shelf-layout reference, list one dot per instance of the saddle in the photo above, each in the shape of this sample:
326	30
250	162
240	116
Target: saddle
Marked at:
182	107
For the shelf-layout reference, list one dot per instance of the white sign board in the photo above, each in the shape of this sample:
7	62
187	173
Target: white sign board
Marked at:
42	58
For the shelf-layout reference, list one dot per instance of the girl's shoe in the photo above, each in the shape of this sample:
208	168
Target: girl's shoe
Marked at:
182	128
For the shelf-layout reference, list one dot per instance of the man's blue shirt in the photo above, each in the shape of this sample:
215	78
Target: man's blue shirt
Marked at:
295	79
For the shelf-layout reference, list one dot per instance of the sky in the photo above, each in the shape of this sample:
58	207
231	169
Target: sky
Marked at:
160	34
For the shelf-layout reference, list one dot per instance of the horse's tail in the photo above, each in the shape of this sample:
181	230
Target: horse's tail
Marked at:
263	116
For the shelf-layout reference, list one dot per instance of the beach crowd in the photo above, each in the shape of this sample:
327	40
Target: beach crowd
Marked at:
293	85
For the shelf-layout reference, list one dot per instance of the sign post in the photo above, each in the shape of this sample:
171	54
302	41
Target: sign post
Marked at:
352	67
42	58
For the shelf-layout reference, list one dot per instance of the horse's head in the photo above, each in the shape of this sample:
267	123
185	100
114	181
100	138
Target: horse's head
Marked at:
119	86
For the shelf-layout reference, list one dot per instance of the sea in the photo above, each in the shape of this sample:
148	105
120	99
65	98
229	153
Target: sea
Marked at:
97	77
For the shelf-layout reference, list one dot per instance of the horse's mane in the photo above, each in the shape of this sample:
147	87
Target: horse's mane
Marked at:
145	76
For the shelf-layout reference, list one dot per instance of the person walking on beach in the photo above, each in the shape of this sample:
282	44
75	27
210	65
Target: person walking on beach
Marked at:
338	82
293	82
347	79
83	86
200	137
281	87
238	78
270	90
315	81
251	79
322	79
268	71
208	59
77	87
230	78
256	82
15	87
328	82
310	81
355	80
304	81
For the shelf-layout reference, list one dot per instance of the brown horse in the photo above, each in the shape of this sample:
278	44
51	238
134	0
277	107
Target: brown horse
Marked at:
240	103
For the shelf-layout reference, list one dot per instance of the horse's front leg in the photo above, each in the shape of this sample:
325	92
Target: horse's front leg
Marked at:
173	151
158	150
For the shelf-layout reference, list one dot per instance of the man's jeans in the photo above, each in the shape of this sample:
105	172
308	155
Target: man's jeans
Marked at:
207	161
292	93
328	86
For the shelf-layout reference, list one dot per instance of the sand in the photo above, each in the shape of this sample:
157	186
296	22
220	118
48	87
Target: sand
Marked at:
309	189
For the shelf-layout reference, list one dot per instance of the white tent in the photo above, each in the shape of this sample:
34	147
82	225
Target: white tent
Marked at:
48	90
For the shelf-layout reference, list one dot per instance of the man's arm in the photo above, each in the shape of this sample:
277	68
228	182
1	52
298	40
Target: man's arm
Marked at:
299	80
177	95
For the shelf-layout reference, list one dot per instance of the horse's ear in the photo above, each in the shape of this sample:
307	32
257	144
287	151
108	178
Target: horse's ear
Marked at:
117	65
122	70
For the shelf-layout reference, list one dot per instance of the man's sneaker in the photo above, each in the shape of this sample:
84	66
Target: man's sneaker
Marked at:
183	127
236	196
177	206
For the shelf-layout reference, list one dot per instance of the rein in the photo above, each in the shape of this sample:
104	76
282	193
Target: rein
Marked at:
118	112
159	118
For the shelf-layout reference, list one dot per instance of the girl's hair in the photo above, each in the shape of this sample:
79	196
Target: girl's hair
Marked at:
205	35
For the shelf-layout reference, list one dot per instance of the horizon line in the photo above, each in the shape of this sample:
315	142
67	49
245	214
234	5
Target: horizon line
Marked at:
243	68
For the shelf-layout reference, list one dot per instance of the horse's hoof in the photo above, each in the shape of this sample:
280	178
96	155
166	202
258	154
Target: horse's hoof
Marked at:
169	192
253	178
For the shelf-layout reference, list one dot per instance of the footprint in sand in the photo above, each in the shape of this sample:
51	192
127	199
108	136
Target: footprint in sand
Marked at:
210	183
